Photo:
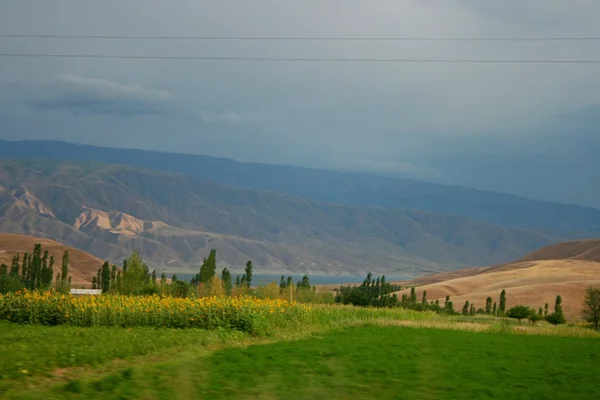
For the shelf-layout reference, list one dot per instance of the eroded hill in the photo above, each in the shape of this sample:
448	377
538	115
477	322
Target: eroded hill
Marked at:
173	221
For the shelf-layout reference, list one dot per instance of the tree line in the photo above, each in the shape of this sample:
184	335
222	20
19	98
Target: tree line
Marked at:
380	293
135	278
35	271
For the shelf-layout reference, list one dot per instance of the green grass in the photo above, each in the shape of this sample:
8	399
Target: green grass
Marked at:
39	350
378	362
337	352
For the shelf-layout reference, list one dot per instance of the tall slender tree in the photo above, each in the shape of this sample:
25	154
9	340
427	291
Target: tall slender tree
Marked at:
226	280
488	305
502	306
465	309
248	272
105	277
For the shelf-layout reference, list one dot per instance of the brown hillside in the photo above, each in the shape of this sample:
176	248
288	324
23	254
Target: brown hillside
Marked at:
529	282
577	250
586	250
82	266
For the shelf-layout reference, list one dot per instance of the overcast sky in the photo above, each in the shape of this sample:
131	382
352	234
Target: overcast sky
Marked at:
529	129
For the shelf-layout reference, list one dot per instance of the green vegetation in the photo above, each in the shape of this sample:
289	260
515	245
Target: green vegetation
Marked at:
34	272
591	306
367	362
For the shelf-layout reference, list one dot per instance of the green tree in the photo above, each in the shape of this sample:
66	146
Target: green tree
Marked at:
226	279
248	272
540	312
494	309
591	306
558	305
502	306
304	283
465	309
14	267
238	281
113	276
557	317
136	278
488	305
153	278
520	312
208	268
424	298
545	310
413	297
63	284
105	277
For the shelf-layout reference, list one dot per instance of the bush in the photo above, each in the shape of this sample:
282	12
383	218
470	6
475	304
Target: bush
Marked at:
521	312
556	318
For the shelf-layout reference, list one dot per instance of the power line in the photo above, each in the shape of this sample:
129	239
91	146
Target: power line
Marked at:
317	38
302	59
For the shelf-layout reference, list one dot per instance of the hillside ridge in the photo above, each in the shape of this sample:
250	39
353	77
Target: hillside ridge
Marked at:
174	220
337	187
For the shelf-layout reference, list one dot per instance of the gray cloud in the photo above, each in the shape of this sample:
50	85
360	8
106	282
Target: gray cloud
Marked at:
84	96
510	127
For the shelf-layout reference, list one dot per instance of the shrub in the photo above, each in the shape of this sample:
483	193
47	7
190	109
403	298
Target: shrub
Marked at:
520	312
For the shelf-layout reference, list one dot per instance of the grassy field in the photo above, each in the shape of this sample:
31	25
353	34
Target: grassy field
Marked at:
385	355
148	348
379	362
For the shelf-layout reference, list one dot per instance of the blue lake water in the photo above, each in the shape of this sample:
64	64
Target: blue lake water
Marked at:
263	279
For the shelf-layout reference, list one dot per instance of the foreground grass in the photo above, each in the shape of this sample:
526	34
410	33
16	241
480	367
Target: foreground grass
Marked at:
378	362
336	352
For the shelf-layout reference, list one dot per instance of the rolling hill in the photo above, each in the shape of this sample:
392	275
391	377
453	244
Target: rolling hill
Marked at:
565	269
173	220
335	187
82	266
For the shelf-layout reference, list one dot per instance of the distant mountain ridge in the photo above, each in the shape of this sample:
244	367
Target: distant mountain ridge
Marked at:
336	187
174	220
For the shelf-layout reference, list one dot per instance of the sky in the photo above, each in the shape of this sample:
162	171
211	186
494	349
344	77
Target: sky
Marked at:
527	129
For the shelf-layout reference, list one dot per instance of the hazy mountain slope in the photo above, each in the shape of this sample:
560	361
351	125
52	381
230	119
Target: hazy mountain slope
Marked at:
82	266
174	220
318	185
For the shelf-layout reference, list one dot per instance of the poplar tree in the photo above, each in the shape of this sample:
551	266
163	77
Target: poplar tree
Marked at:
248	272
488	305
502	306
226	281
105	277
465	309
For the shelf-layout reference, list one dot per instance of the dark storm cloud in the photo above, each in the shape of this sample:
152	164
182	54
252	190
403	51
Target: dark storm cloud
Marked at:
511	127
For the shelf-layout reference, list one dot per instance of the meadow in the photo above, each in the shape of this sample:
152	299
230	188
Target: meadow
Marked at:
57	346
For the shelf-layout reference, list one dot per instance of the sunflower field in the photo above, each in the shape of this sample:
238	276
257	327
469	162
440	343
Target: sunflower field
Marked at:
247	314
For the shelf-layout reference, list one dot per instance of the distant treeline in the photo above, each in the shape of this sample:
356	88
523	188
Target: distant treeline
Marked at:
35	271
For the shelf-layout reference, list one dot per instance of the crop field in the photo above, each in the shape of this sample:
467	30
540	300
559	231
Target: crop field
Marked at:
119	347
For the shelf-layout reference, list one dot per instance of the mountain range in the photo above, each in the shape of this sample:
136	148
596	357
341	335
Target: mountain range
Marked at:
174	219
334	187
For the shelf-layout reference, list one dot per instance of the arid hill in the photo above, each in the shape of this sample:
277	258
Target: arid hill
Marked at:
82	266
575	250
174	220
533	280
